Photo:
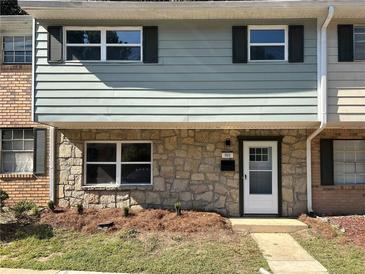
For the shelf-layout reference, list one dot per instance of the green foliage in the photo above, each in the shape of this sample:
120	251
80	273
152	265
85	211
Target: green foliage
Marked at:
80	208
126	211
129	234
178	208
51	205
23	206
3	196
10	7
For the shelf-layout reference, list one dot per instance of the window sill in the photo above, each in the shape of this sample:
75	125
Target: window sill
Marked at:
16	175
344	187
116	187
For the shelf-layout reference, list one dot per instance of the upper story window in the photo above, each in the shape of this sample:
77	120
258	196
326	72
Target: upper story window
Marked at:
17	49
268	43
359	43
104	44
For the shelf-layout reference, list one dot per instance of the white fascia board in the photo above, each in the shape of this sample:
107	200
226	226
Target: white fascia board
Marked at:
47	9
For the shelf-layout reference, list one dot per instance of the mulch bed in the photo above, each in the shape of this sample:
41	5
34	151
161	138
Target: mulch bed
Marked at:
352	226
144	220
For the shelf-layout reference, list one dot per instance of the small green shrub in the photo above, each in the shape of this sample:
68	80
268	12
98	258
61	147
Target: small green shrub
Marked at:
34	211
129	234
80	208
178	208
126	211
3	196
51	205
23	206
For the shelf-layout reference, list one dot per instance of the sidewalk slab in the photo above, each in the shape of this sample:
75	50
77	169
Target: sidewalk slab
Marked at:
285	255
267	225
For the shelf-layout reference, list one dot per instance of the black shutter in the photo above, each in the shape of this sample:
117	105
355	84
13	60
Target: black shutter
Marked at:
345	43
40	150
239	44
326	150
150	44
55	44
296	44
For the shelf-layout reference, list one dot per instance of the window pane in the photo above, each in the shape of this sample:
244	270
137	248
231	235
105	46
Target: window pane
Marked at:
136	152
19	43
18	145
359	43
123	37
18	134
100	174
101	152
260	182
19	58
267	52
83	37
83	53
136	174
28	145
8	43
123	53
28	43
9	57
17	162
267	36
7	134
28	134
7	145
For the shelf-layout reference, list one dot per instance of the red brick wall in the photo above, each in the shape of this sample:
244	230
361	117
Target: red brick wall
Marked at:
336	199
15	112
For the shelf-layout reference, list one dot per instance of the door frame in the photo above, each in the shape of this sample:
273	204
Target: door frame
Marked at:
241	139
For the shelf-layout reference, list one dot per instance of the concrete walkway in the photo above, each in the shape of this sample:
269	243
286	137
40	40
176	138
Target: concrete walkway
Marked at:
285	256
28	271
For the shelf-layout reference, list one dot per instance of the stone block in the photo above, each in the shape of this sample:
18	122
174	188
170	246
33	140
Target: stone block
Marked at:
171	143
197	177
182	174
65	151
159	184
179	185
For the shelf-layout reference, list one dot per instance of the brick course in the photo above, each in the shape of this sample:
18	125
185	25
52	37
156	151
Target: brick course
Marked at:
336	199
15	112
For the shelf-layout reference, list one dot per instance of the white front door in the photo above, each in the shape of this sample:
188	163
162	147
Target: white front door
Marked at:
260	177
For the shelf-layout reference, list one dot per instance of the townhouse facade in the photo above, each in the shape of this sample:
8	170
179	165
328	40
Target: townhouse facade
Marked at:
24	145
237	107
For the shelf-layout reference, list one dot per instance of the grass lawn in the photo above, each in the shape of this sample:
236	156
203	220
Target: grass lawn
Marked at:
131	251
338	256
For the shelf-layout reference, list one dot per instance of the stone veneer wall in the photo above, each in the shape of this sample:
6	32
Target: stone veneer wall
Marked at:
186	167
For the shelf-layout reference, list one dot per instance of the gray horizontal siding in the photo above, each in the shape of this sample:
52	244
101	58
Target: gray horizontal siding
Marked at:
194	81
346	82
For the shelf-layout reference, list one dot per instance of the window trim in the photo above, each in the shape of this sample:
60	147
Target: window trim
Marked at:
268	27
333	163
102	43
26	151
118	163
353	43
25	55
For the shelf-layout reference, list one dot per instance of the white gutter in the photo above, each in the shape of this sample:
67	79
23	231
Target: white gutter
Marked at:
322	94
51	164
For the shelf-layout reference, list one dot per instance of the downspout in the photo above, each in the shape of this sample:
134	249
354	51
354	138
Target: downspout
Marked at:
322	94
51	164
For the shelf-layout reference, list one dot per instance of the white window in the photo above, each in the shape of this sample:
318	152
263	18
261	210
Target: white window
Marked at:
123	44
268	43
17	49
17	150
120	163
349	161
359	43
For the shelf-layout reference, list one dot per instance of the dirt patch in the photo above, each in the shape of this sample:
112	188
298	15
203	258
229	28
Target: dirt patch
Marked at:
354	227
319	227
144	220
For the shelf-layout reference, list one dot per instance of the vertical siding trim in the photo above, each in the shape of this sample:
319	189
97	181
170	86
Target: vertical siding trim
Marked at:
239	44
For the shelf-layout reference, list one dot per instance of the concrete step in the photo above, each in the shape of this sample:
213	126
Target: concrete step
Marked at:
266	225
